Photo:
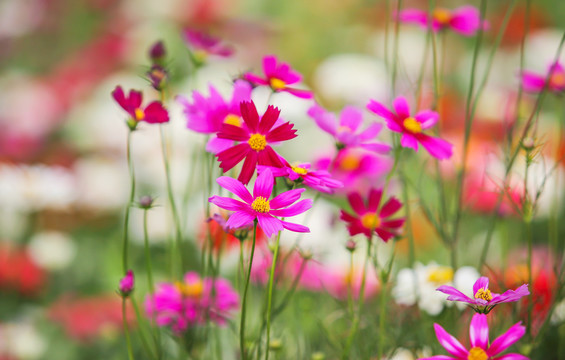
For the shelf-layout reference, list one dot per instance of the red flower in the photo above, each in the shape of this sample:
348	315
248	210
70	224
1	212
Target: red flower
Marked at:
18	272
369	218
254	140
154	113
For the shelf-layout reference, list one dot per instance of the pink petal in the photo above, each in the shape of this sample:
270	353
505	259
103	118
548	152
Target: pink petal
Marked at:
466	20
269	65
228	203
241	92
512	356
293	210
248	168
216	145
155	113
232	156
481	283
281	133
438	357
232	132
385	235
391	206
438	148
478	331
295	227
409	141
392	224
413	16
506	340
263	184
324	119
351	117
120	97
236	187
511	295
356	202
378	148
286	198
532	82
401	107
269	157
380	110
249	115
255	79
300	93
454	294
450	343
269	224
427	118
240	219
135	98
370	132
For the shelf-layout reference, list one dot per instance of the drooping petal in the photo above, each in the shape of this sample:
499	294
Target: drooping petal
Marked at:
409	141
286	198
478	331
248	168
293	210
269	118
249	115
380	110
228	203
450	343
236	187
401	107
294	227
240	219
454	294
506	340
264	184
269	224
438	148
232	156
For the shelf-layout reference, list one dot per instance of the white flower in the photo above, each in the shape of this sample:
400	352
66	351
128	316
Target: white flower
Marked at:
22	341
52	250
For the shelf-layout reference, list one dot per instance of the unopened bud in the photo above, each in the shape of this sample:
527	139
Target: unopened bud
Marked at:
145	202
350	245
127	284
157	52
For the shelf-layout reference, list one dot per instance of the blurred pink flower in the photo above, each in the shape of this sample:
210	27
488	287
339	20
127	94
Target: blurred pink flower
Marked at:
259	207
411	127
555	76
192	302
153	113
127	284
345	130
207	115
202	45
278	76
479	338
465	20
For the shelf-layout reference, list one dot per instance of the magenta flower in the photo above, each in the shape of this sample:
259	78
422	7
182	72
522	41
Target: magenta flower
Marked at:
254	139
202	45
278	76
345	131
483	301
153	113
192	302
127	284
206	115
479	339
555	76
411	127
259	207
372	218
465	20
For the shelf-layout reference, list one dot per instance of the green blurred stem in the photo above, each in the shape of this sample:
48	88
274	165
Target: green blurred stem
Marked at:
126	329
270	293
147	253
357	318
382	318
129	204
395	50
243	353
144	342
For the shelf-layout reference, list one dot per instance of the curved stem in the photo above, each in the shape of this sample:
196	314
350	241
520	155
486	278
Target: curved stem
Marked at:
270	293
128	206
243	353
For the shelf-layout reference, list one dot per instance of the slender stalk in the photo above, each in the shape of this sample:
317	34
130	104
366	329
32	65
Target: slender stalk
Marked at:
147	253
395	51
128	206
142	335
382	317
270	293
243	353
126	329
357	318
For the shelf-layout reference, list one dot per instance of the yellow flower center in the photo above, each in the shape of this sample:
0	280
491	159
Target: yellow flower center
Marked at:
442	16
477	353
277	84
349	162
441	275
483	294
193	290
257	142
261	205
370	221
412	125
232	119
557	79
299	170
139	114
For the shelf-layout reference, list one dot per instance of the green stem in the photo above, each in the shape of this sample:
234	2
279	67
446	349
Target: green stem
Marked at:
395	50
270	293
126	329
382	317
243	353
147	253
129	204
142	335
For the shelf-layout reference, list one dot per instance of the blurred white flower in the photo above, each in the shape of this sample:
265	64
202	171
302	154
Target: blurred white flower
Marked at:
19	17
22	341
418	285
558	315
52	250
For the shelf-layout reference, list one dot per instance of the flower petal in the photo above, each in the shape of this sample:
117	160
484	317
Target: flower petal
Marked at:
249	115
427	118
268	119
236	187
512	356
295	227
232	156
324	119
505	340
374	199
356	202
380	110
286	198
264	184
248	168
401	107
454	294
409	141
293	210
450	343
478	331
240	219
391	206
228	203
438	148
481	283
511	295
351	117
532	82
269	224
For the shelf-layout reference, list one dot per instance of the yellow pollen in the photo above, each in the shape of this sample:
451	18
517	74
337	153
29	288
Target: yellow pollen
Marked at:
261	205
441	275
477	353
299	170
412	125
442	16
257	142
483	294
277	84
557	79
370	221
349	162
232	119
192	290
139	114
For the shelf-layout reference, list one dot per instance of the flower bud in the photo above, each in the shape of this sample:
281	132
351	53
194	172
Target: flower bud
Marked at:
157	52
127	284
158	77
146	202
350	245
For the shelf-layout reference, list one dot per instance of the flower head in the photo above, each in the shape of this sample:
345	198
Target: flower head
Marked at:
412	127
259	207
254	138
465	20
191	302
153	113
206	115
372	217
479	339
203	45
345	130
555	76
127	284
483	299
278	76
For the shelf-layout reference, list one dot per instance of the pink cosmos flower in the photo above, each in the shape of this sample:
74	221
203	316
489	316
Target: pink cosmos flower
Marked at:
372	217
259	207
535	83
479	339
345	130
127	284
411	127
483	301
154	113
192	302
465	20
206	115
254	139
203	45
278	76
